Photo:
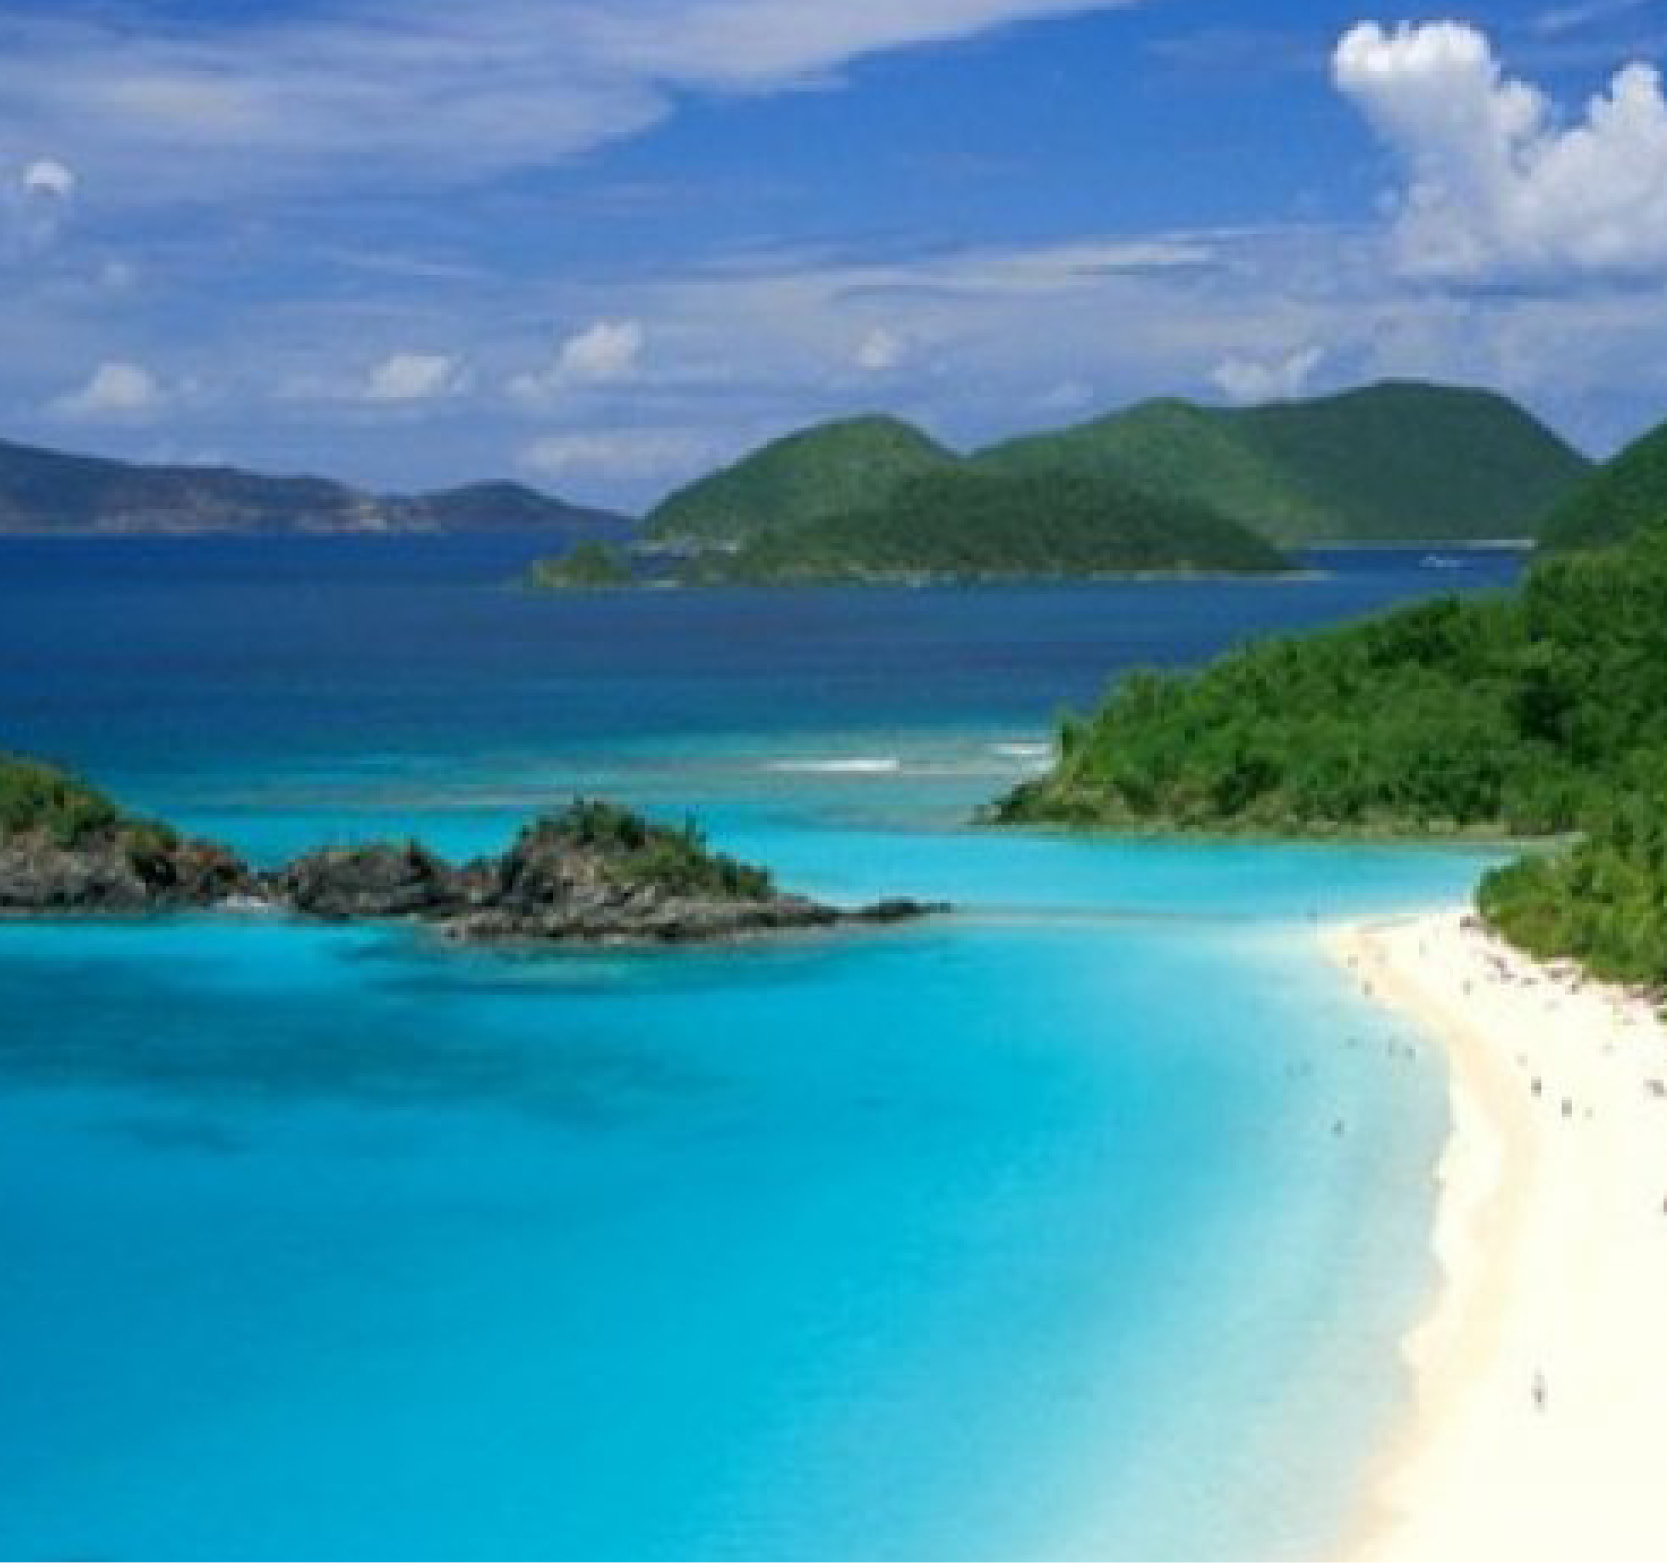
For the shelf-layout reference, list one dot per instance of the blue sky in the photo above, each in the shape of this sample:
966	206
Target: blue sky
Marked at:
602	244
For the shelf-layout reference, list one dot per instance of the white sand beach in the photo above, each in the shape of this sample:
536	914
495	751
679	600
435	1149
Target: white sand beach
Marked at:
1539	1428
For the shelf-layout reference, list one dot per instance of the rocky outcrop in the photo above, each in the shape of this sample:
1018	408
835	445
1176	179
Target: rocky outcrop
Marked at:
382	880
590	874
117	871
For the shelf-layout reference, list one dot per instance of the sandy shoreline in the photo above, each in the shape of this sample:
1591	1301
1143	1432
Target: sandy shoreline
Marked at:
1539	1427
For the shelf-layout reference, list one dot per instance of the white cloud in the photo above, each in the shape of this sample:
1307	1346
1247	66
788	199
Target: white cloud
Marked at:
1247	380
48	177
414	377
1497	188
879	351
424	94
1573	18
604	353
615	454
115	390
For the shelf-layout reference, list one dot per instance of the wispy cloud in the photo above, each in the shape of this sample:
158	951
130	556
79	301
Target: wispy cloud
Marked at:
407	377
1562	19
368	93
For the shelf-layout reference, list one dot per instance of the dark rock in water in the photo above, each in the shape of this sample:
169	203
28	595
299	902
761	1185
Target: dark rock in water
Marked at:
380	880
897	909
591	873
117	871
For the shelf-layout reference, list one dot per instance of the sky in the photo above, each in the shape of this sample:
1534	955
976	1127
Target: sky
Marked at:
603	245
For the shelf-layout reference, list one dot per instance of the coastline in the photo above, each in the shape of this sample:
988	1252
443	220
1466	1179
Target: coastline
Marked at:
1539	1382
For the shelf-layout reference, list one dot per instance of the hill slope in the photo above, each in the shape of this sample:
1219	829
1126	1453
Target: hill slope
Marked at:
821	471
52	491
1394	461
1534	712
1620	497
961	523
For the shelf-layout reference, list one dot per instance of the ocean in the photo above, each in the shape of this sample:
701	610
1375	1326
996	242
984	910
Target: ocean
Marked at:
1080	1223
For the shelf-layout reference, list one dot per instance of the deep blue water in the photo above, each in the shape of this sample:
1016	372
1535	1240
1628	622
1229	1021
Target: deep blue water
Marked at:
1079	1224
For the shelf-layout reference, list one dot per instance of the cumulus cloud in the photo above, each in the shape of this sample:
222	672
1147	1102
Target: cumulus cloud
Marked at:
50	178
1247	380
879	351
1497	187
35	202
116	390
414	377
604	353
615	454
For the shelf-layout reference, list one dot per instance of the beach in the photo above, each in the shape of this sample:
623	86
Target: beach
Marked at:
1539	1377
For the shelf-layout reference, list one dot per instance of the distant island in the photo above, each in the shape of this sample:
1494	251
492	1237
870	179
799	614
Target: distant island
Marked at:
1392	462
53	491
961	524
1395	461
591	873
1536	713
1163	486
587	566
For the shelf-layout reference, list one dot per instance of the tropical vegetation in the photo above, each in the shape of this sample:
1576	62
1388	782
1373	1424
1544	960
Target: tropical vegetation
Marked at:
821	471
587	566
1537	712
964	524
1388	462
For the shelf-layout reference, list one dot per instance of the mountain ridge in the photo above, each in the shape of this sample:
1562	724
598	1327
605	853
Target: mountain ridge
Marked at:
44	490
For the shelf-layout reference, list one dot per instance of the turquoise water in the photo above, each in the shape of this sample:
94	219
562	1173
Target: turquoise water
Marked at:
1079	1224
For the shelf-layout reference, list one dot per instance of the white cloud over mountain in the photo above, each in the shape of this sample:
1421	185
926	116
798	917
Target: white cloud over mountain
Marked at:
1498	188
1245	380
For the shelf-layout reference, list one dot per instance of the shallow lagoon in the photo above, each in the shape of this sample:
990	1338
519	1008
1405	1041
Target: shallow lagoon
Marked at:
1079	1224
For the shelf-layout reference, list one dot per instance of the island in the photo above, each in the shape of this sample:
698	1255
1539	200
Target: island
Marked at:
58	492
592	873
966	525
1393	461
587	566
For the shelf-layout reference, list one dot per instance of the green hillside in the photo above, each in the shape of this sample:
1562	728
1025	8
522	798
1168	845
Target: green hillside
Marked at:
587	566
820	471
1394	461
964	524
1623	495
1535	712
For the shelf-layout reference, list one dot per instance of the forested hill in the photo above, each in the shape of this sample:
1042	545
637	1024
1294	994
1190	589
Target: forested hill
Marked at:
53	491
1530	713
1388	462
964	524
1622	495
826	470
1393	461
